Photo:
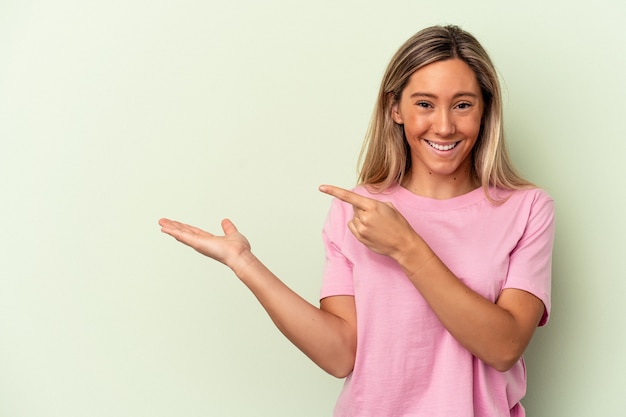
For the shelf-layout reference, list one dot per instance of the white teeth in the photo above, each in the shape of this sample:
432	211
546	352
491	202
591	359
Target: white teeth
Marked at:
442	147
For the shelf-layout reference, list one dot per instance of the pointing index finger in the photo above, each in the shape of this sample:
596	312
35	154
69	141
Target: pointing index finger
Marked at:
347	196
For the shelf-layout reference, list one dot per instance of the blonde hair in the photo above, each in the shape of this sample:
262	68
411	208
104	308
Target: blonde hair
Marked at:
385	156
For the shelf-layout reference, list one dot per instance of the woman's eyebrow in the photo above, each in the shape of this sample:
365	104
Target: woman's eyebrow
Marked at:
431	95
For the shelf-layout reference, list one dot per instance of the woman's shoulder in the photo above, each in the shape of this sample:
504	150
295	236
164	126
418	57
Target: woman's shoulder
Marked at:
376	191
532	193
533	201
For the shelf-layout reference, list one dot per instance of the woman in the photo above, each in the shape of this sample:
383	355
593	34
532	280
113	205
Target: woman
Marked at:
438	263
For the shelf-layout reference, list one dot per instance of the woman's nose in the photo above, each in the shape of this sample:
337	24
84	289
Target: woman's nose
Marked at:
443	123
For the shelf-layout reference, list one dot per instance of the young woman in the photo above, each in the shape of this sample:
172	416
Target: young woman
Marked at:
438	262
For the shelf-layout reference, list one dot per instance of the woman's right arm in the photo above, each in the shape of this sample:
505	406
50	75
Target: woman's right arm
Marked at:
327	335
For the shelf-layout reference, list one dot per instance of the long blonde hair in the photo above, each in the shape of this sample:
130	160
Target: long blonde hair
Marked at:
385	157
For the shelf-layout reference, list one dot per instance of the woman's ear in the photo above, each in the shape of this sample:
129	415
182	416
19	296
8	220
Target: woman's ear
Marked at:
395	108
395	113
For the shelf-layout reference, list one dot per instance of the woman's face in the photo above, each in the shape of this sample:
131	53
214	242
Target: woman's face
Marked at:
441	109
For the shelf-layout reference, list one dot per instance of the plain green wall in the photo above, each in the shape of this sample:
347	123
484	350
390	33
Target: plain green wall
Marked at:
116	113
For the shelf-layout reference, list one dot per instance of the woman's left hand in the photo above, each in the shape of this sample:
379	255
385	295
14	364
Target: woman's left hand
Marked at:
376	224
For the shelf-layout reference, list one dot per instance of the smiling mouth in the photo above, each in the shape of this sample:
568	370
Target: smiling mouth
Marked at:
442	147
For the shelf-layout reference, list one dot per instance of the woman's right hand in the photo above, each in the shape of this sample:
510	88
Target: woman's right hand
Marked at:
230	249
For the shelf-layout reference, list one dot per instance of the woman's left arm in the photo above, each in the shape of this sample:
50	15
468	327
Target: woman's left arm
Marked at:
497	333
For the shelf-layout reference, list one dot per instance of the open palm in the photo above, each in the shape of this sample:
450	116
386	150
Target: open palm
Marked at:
225	249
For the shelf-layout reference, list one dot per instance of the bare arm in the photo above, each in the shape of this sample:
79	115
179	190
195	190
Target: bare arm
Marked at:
327	334
497	333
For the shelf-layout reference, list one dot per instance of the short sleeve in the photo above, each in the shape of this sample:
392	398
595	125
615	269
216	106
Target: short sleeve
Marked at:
530	266
337	276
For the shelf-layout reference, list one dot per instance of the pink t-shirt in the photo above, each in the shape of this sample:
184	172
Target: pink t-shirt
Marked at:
407	364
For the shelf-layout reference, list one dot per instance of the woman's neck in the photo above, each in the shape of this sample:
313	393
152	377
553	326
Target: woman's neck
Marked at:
440	187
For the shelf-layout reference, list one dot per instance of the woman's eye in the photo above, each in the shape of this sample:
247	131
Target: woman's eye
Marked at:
423	104
464	105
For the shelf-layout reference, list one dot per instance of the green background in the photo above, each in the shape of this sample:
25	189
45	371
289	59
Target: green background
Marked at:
116	113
